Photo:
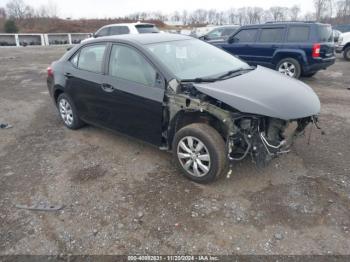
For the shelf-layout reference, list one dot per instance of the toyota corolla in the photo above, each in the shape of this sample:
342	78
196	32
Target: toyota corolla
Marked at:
182	95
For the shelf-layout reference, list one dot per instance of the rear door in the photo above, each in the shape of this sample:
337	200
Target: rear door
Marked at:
84	77
242	44
269	40
133	94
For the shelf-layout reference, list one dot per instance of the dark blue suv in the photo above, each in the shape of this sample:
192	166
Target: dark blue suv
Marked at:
293	48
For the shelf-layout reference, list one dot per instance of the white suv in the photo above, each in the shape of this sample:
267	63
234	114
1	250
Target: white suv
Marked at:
344	45
122	29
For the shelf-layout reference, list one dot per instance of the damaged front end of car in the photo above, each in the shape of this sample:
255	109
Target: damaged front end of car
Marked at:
263	138
259	137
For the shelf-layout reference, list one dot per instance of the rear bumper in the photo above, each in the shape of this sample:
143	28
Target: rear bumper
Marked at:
319	64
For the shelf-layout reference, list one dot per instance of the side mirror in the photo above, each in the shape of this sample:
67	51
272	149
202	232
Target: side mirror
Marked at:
159	80
232	40
173	85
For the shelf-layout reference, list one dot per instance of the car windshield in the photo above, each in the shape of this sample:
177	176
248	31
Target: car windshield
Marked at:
326	33
189	59
142	29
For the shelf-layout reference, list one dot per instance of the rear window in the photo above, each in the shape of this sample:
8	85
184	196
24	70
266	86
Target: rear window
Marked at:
325	33
142	29
246	35
298	34
272	35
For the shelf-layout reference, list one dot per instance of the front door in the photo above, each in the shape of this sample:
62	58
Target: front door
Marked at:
242	44
133	95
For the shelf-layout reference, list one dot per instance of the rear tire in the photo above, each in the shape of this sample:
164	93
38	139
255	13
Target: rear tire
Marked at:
346	53
289	67
206	164
68	112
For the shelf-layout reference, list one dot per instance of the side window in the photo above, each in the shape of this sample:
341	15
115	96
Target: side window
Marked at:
91	58
272	35
126	63
228	31
246	35
74	60
215	33
298	34
119	30
103	32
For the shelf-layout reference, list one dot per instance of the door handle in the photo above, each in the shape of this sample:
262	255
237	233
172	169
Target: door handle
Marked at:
107	88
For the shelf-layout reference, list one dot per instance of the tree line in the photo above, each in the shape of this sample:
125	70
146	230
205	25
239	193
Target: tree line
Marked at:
330	11
334	11
19	10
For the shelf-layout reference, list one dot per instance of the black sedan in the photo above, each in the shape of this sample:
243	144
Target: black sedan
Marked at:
184	95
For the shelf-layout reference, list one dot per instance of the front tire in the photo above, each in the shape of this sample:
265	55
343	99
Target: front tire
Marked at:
289	67
347	53
68	112
199	152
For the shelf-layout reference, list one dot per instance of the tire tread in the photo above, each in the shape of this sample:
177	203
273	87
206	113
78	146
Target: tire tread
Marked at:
213	141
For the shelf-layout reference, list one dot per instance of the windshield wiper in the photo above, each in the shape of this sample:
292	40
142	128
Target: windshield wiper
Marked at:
199	80
209	80
231	72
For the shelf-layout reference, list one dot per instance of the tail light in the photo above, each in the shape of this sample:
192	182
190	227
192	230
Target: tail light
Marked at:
49	72
316	48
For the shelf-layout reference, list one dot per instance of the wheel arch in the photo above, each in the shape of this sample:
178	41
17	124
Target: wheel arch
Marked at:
57	91
297	55
184	118
346	46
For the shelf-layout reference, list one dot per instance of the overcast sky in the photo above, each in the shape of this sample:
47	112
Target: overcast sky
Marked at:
115	8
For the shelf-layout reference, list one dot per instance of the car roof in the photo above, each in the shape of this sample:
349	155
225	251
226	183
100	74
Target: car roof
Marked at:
127	24
276	24
144	39
222	26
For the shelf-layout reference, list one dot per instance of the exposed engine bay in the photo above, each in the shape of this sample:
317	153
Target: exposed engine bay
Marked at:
263	138
246	135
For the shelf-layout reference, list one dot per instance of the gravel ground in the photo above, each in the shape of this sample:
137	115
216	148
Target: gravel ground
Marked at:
122	196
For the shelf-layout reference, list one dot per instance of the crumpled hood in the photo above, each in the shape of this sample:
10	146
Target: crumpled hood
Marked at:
265	92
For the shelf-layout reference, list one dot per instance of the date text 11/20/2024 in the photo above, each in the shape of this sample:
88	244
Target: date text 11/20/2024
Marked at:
173	258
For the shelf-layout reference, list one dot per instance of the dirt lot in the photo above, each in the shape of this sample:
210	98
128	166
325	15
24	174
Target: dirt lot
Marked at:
122	196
